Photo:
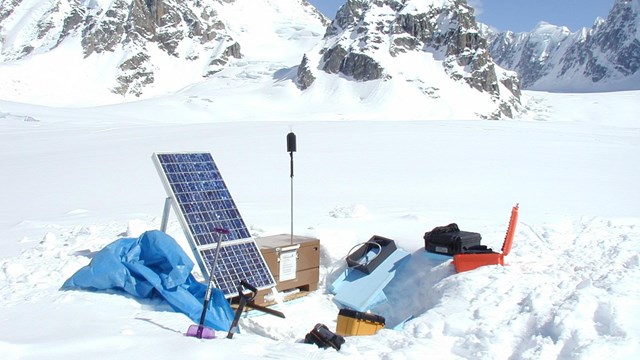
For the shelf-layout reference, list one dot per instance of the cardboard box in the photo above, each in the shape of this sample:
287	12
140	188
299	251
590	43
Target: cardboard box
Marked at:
277	249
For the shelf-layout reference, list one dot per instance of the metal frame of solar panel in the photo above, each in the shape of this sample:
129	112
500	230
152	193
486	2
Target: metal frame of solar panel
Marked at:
202	203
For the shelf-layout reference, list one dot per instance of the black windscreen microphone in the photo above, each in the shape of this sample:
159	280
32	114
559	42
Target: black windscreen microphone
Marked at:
291	142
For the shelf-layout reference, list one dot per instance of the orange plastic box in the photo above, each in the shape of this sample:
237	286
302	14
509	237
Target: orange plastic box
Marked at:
466	262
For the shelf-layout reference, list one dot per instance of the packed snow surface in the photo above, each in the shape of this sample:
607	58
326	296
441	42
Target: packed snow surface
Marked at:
76	179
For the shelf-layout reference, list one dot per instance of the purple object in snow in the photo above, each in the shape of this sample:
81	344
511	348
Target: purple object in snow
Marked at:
201	332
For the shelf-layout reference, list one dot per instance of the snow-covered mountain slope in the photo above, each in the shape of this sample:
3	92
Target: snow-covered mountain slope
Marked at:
603	58
435	66
124	49
418	54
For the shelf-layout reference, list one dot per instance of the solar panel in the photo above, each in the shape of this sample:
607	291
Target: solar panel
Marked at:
203	203
242	261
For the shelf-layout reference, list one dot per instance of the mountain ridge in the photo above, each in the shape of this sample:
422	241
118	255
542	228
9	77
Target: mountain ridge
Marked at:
605	57
128	47
407	54
125	50
368	39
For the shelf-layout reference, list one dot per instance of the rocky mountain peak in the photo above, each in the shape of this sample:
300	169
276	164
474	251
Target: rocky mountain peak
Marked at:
619	36
131	28
121	50
369	37
605	57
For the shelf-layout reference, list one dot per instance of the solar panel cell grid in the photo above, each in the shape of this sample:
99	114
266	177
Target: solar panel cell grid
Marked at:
199	190
242	261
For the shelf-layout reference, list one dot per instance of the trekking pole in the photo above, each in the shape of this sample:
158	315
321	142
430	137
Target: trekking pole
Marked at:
200	330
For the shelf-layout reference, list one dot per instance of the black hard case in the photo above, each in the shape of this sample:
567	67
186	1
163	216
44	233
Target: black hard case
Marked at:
451	243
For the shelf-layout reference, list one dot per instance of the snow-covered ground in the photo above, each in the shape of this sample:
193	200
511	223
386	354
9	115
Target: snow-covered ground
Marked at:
75	179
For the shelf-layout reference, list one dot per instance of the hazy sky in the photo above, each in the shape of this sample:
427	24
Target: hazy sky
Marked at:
519	15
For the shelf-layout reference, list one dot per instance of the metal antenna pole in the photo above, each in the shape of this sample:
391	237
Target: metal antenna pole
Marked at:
291	155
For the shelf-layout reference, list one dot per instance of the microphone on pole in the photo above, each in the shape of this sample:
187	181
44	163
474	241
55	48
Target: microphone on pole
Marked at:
291	148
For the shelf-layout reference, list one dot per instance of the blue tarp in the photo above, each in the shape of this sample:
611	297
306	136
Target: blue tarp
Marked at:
149	266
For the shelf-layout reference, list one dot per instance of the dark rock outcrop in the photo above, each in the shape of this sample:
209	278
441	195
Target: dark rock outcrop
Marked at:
304	76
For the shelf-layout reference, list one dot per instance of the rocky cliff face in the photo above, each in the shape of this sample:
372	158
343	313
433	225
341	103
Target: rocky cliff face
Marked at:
605	57
132	29
369	38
